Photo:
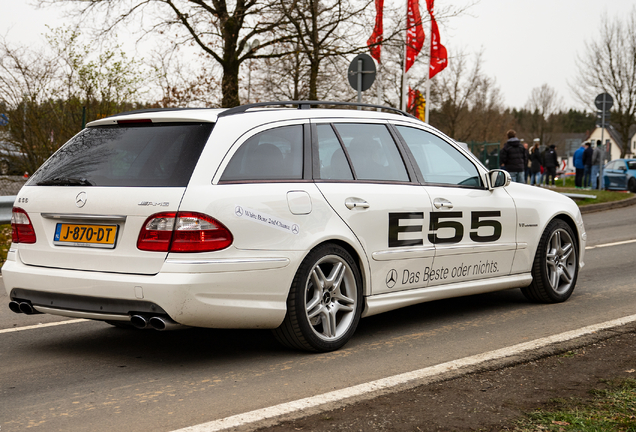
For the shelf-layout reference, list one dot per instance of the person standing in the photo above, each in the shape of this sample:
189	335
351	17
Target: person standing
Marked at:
587	161
526	174
597	160
535	164
550	163
579	166
513	157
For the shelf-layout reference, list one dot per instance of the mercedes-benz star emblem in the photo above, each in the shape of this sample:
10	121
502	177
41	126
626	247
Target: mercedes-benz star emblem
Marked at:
238	210
391	278
295	229
80	199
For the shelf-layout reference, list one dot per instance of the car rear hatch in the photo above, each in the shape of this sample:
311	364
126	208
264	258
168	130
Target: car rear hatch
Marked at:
88	203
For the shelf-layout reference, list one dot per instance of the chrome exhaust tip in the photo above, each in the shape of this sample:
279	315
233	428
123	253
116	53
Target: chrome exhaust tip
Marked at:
164	324
27	308
139	321
15	306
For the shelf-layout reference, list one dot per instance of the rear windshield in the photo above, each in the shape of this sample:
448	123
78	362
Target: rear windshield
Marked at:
134	155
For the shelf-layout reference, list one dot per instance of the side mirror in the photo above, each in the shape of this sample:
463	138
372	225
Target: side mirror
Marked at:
499	178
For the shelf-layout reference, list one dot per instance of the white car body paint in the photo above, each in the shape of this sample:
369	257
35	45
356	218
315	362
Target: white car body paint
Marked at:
246	285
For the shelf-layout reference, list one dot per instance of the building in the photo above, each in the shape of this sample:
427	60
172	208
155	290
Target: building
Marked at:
610	135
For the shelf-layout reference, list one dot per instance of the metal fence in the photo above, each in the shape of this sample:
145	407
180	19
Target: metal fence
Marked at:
488	153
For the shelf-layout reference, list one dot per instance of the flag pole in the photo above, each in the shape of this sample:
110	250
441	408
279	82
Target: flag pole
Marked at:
428	73
403	107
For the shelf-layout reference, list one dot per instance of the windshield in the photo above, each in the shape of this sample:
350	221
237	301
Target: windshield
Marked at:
134	155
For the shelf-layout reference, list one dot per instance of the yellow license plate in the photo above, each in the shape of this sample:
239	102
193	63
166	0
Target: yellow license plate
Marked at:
102	236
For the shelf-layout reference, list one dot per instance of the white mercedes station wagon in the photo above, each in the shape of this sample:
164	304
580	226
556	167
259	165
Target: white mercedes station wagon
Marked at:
277	216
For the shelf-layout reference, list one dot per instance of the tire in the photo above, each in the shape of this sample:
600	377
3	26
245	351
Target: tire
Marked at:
631	185
555	266
324	303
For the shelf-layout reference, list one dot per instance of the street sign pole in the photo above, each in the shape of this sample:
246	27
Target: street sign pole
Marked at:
359	81
604	102
361	74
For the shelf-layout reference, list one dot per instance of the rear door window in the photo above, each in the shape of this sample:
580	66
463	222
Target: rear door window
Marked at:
369	147
141	156
333	161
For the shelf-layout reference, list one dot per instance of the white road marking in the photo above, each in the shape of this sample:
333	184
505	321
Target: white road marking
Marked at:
37	326
611	244
396	380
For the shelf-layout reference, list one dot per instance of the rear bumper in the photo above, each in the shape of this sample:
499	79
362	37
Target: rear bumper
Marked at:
222	294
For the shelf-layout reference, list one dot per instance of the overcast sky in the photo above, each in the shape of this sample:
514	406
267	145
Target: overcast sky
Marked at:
526	43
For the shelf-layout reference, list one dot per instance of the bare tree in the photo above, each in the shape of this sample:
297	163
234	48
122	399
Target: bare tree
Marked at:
609	65
27	81
320	32
183	84
223	29
543	103
48	94
467	101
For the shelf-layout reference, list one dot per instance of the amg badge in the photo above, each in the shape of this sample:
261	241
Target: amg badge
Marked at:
152	203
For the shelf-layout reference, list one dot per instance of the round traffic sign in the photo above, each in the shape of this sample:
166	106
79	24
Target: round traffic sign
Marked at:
604	102
362	65
4	120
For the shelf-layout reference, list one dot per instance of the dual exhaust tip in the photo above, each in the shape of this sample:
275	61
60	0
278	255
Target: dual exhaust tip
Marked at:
22	307
155	322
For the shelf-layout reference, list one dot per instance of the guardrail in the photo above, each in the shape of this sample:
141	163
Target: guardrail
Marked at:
6	206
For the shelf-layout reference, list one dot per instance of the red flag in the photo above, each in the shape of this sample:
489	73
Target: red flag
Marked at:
429	6
439	56
414	33
411	100
375	41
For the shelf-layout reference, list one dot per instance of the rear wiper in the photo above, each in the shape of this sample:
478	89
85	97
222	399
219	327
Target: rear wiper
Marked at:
66	181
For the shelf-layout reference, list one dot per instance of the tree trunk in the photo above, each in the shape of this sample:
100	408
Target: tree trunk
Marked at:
230	85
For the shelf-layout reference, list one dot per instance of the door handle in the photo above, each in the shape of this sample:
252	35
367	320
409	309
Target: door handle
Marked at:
442	203
352	203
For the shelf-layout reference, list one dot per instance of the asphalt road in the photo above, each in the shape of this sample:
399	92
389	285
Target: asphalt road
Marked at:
89	376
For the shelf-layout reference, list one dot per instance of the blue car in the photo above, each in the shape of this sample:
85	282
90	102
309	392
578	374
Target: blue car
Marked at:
620	174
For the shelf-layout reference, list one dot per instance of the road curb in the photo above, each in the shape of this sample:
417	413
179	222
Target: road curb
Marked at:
493	360
593	208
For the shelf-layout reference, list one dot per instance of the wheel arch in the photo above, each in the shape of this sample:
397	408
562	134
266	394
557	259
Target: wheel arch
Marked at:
358	257
568	220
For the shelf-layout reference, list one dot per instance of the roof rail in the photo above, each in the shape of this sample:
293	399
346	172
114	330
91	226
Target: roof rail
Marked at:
307	105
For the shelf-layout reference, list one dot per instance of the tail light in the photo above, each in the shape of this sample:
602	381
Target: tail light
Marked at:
183	232
21	227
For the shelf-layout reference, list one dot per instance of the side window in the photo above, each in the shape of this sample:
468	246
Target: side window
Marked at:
275	154
439	162
333	162
372	152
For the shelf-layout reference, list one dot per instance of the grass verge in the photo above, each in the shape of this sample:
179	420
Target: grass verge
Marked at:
602	196
609	409
5	242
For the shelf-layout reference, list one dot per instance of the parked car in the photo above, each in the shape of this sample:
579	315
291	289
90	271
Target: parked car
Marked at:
297	220
620	174
12	159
